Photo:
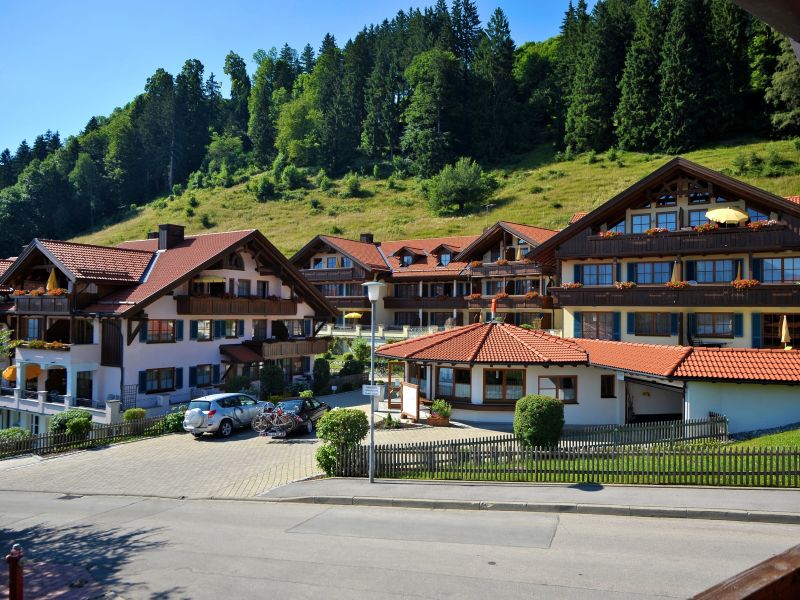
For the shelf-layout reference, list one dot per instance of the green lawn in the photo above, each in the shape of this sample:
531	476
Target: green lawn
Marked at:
534	189
786	439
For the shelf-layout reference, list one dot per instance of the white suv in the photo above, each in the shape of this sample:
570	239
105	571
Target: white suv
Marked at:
221	413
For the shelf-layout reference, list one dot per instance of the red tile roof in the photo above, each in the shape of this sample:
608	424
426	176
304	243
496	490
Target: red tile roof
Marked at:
100	263
364	252
498	343
795	199
741	364
642	358
169	266
426	266
577	217
534	235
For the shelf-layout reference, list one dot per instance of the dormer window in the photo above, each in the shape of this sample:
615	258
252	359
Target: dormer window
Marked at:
317	264
444	258
330	262
346	262
406	260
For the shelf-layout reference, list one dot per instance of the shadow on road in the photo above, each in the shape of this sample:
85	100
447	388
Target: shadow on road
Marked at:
101	552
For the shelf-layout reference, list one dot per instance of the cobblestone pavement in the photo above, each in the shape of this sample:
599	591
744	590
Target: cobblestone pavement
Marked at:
241	466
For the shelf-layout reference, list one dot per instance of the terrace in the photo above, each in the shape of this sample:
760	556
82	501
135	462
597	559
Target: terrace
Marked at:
215	305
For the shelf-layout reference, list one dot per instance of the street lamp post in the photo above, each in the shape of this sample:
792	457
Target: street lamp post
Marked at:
373	292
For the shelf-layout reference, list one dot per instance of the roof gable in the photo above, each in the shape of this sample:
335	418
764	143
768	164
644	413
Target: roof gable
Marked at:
532	235
364	254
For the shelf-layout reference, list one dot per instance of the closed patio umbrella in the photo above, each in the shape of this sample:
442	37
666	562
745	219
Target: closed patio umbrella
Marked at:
519	253
728	216
52	281
785	339
676	272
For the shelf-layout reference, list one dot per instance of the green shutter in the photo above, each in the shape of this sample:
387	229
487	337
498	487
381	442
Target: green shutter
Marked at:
616	325
240	328
179	330
675	324
738	325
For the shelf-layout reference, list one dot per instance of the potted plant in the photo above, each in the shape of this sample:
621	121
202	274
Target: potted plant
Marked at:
706	227
531	295
656	230
744	284
440	413
624	285
677	285
571	285
756	225
607	235
475	264
501	261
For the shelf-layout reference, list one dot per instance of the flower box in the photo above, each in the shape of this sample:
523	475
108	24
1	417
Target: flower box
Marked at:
438	421
624	285
500	295
472	296
606	235
656	230
706	227
475	264
744	284
531	295
572	285
677	285
502	262
756	225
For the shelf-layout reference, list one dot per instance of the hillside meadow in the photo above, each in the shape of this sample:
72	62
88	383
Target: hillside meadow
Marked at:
534	188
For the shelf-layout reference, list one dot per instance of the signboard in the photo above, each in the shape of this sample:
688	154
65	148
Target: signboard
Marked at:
410	401
372	390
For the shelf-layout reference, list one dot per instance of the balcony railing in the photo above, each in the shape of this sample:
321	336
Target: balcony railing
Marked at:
349	301
338	274
698	295
292	348
194	305
43	305
732	239
432	303
511	269
512	302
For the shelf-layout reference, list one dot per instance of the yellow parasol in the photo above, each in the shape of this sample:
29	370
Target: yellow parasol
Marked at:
519	253
31	372
353	315
52	281
676	272
728	216
785	339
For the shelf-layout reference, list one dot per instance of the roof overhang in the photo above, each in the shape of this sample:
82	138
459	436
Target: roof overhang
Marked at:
317	242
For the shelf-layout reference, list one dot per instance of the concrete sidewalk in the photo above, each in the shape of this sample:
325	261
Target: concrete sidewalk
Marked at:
735	504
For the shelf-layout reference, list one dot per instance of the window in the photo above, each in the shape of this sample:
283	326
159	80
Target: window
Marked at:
640	223
781	270
493	286
83	332
494	255
597	274
650	273
406	318
33	328
444	259
346	262
160	330
406	260
699	198
294	328
453	384
234	261
608	386
230	328
714	324
330	262
418	375
697	218
439	318
160	380
757	215
523	286
406	290
243	290
618	227
667	220
652	324
204	330
564	388
503	385
597	325
204	374
262	289
260	329
84	385
715	271
666	200
317	264
771	329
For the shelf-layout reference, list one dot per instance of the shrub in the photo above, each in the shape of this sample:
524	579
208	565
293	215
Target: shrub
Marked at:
343	427
351	366
352	185
612	155
321	376
189	212
292	177
458	189
59	422
79	427
336	230
271	381
296	388
193	202
316	206
206	221
591	158
441	407
361	350
173	422
391	183
177	189
237	383
278	165
539	420
134	414
326	459
307	394
265	189
14	434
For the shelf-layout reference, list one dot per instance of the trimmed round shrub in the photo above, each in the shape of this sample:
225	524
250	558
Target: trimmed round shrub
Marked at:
539	420
134	414
343	427
59	422
79	427
14	434
237	383
307	394
326	459
321	376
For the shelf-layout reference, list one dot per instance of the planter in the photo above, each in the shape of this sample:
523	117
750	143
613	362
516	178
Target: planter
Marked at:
438	421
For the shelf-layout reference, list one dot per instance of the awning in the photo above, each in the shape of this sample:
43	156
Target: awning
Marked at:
240	353
32	371
209	279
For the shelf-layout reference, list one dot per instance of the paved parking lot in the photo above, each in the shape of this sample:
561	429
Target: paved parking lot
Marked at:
241	466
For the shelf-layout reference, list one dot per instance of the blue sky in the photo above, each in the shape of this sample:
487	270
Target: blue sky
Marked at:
66	61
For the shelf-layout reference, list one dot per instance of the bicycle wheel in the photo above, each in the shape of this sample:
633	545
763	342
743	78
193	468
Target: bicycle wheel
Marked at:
260	423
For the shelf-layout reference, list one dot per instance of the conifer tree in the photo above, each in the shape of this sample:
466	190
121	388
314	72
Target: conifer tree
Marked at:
638	107
236	69
260	128
782	93
466	29
191	119
307	59
7	177
22	157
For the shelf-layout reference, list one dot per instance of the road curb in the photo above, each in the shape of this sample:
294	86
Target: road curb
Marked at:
622	510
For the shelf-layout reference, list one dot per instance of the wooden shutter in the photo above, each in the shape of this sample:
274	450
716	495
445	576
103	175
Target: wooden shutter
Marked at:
192	329
576	329
179	330
616	319
240	328
143	332
631	323
675	324
192	376
142	382
576	276
738	325
758	269
178	378
215	374
757	335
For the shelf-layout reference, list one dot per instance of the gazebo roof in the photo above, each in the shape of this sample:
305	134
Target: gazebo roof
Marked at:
493	343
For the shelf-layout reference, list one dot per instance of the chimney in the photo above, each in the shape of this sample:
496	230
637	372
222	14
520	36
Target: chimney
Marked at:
366	238
169	236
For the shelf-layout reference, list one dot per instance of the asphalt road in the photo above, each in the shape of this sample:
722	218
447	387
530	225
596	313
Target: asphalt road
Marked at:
159	548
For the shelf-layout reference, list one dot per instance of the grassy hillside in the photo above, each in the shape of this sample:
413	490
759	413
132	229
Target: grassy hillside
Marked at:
534	189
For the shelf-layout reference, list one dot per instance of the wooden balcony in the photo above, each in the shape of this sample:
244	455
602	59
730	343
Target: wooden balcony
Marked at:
724	240
293	348
42	305
512	303
434	303
722	295
339	274
512	269
193	305
349	301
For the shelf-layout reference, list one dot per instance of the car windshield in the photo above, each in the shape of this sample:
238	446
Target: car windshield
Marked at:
292	406
201	404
